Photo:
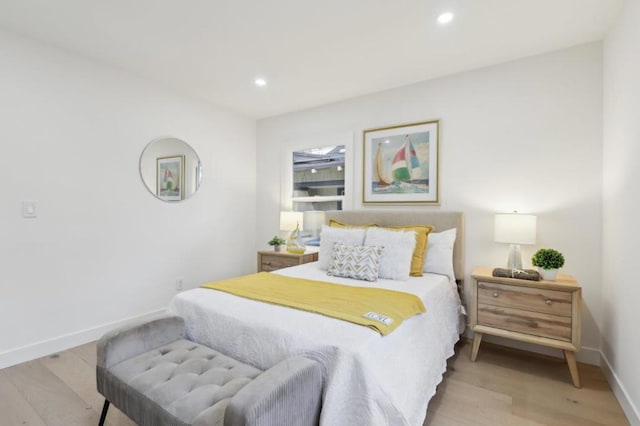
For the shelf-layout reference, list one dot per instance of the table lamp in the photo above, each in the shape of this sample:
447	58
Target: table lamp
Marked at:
289	220
515	229
313	221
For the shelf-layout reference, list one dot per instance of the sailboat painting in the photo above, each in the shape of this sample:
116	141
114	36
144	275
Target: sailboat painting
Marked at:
170	178
401	164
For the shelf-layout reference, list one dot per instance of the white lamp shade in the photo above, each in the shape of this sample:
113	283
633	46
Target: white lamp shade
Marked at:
514	228
289	220
313	221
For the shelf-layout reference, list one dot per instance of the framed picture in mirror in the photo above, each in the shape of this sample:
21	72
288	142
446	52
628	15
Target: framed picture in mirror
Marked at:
170	178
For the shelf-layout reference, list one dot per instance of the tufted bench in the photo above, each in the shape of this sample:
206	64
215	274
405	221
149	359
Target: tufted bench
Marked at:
156	376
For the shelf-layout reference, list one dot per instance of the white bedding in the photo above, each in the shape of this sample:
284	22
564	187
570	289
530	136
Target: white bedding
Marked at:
369	379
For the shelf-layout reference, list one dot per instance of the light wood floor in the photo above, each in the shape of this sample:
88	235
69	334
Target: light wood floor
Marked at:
504	387
511	387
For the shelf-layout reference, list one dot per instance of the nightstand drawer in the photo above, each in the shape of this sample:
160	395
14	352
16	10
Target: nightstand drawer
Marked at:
534	323
271	262
533	299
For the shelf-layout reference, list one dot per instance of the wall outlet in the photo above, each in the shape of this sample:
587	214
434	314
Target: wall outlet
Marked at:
179	284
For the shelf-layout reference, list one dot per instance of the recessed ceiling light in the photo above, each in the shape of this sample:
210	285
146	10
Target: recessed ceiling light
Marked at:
261	82
445	18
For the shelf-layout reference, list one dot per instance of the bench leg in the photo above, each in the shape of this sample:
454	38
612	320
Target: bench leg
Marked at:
103	416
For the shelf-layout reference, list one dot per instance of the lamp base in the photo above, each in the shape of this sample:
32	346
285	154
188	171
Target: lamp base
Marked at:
514	259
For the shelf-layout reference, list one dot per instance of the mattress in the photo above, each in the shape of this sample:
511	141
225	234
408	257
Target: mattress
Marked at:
369	379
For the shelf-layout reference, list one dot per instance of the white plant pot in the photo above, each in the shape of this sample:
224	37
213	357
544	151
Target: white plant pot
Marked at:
548	274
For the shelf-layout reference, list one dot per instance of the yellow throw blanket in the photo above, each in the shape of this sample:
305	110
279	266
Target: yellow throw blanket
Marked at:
380	309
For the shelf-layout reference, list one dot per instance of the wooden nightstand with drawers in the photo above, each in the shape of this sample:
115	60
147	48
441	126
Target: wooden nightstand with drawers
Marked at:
541	312
273	260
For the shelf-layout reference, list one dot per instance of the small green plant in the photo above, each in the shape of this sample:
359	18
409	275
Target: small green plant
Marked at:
547	258
276	241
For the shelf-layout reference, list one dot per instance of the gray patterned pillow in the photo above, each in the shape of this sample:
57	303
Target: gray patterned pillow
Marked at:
359	262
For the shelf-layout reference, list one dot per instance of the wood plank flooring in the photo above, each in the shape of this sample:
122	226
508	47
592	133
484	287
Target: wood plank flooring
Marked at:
504	387
512	387
57	390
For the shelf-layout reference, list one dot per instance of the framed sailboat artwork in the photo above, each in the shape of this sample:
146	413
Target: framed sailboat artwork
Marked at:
170	178
401	164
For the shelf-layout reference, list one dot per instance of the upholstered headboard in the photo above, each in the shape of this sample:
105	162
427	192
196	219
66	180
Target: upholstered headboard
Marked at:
441	221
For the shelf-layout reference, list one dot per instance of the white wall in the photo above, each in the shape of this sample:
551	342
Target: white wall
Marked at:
524	135
620	289
102	248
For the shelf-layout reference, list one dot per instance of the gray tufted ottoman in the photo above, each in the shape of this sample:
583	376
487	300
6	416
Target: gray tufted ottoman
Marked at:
157	377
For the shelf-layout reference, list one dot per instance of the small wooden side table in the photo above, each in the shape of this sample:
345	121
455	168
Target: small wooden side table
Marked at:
541	312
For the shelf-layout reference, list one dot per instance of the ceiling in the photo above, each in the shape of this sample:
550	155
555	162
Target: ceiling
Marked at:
310	52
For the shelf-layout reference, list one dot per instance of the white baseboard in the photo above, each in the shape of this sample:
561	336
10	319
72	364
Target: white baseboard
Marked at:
64	342
629	408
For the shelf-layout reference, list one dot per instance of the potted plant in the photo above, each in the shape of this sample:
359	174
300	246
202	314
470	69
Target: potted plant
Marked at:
548	262
276	242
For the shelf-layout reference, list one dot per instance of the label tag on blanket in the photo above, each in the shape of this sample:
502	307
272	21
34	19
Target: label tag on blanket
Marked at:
379	317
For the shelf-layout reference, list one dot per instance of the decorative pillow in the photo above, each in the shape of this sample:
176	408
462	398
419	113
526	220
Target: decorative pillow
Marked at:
330	236
337	224
439	257
359	262
395	263
422	236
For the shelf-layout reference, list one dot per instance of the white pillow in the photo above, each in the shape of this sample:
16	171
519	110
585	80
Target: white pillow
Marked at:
330	236
395	263
439	256
358	262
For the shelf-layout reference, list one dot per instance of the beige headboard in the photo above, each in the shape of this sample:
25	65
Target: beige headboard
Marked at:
441	221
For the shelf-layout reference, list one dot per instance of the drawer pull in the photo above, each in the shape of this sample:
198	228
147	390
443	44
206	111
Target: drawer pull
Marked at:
548	301
495	294
267	263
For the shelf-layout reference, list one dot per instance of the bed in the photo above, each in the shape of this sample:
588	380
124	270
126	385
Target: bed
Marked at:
369	379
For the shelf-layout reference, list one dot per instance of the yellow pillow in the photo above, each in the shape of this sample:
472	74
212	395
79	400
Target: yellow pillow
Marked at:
336	224
422	236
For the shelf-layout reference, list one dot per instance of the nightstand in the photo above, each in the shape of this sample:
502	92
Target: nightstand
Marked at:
541	312
273	260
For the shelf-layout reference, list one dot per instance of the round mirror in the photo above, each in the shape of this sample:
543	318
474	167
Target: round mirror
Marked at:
170	169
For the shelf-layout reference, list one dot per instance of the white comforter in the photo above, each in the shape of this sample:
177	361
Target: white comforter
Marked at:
369	379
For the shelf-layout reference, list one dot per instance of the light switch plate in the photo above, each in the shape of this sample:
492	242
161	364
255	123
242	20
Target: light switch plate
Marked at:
29	209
